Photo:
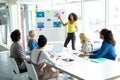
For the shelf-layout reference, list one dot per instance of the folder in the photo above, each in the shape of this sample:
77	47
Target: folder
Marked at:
99	60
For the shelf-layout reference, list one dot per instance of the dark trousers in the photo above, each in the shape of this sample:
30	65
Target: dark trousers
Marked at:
70	36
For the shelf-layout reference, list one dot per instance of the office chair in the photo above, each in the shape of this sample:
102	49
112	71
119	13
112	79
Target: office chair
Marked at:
32	74
15	70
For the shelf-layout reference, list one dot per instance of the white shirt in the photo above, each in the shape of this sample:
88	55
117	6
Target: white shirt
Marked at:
44	56
86	47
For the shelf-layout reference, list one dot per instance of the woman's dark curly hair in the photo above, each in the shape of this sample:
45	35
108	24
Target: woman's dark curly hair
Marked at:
74	16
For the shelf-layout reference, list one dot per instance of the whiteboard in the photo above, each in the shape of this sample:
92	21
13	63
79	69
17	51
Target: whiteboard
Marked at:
48	24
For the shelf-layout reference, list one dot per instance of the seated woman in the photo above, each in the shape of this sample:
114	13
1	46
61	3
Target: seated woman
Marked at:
32	43
17	51
86	44
39	56
107	49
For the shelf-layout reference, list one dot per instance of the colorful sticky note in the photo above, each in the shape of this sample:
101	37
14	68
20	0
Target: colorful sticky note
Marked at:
36	19
40	25
56	28
40	29
48	19
57	24
40	14
56	14
48	11
35	11
63	12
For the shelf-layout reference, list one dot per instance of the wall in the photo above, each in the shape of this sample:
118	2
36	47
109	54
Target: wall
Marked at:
10	2
3	1
34	1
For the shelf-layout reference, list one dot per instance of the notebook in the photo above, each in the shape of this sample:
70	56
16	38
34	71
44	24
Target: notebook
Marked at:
99	60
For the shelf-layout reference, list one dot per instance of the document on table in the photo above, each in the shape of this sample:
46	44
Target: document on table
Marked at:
63	63
99	60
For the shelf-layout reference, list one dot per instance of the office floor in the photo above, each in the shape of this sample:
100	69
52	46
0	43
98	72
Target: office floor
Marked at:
5	69
5	73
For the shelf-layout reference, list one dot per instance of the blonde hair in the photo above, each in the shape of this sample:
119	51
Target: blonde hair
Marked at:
32	33
83	38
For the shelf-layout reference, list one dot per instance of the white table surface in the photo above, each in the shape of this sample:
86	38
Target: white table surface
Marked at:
84	68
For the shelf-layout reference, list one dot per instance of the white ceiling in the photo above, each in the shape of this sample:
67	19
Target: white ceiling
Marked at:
50	1
41	1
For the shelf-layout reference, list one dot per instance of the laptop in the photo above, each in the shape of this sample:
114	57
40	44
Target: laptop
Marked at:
57	48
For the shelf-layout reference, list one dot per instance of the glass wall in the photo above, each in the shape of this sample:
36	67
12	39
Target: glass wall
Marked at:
94	19
30	15
4	23
114	20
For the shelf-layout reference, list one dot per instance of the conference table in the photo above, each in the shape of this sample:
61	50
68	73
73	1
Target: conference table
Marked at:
83	68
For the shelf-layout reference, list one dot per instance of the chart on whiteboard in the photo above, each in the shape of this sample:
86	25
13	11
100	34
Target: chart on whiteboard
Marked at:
47	23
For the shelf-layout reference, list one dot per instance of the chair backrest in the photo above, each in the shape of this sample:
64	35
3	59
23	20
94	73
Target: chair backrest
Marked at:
14	66
31	71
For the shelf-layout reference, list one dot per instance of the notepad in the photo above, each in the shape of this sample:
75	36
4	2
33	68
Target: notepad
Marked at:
99	60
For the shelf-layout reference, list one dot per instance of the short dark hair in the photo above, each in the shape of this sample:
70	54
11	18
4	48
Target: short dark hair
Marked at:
74	16
42	40
15	35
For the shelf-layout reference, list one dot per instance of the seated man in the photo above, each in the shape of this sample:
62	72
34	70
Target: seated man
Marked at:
17	51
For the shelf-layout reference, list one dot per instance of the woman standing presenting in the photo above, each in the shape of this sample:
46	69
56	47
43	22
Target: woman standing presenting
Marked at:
72	27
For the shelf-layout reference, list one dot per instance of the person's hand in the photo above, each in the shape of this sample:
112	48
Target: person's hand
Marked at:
52	56
76	30
82	55
88	53
59	17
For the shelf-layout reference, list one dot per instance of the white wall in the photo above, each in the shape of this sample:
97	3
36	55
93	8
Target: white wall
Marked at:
34	1
10	2
15	16
3	1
